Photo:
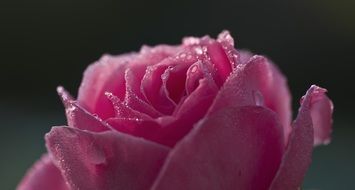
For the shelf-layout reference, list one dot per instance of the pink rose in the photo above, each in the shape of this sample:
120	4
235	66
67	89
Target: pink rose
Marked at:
200	115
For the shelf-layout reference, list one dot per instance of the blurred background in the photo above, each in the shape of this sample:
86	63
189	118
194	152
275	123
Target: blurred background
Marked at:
46	43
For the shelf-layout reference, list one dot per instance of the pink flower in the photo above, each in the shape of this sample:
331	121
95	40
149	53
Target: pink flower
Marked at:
200	115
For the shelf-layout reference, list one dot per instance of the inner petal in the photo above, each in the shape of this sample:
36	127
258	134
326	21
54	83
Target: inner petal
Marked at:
195	73
163	84
152	88
175	83
219	59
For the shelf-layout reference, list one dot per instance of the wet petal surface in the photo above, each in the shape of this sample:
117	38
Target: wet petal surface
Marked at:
107	160
235	148
298	153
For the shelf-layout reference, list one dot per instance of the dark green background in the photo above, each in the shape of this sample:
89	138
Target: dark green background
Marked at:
45	43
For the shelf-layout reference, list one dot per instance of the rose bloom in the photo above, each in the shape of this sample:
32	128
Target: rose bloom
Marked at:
200	115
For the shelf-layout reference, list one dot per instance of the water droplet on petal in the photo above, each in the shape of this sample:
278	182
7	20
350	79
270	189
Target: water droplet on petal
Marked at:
109	95
165	75
225	37
191	41
198	50
258	98
193	69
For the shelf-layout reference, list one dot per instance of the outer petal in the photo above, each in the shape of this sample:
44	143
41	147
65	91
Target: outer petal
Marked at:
43	175
107	160
78	117
321	112
235	148
298	154
257	82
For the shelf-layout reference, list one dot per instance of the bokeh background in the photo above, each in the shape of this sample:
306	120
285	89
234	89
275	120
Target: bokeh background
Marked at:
46	43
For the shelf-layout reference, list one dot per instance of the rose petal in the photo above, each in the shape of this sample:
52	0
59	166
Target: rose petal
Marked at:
147	56
195	73
174	82
191	111
199	100
244	56
132	122
219	58
43	175
123	110
107	160
106	75
226	39
134	97
298	154
257	83
145	128
235	148
193	76
155	81
277	96
227	42
168	130
152	89
133	77
321	113
78	117
138	104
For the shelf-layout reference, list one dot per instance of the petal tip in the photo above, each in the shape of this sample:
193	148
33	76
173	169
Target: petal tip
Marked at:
321	110
64	96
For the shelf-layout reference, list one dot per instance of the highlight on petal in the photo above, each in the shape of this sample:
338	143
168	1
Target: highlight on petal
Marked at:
43	175
78	117
105	160
234	148
298	153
